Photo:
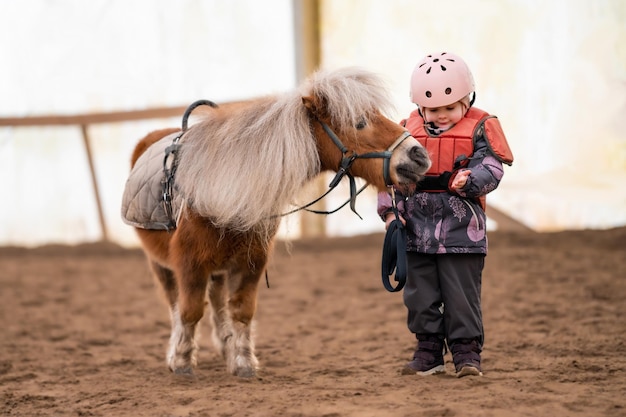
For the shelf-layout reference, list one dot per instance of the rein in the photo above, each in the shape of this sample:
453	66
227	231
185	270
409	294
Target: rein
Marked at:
394	251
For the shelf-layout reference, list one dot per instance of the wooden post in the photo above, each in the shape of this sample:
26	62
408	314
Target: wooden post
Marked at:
94	182
306	17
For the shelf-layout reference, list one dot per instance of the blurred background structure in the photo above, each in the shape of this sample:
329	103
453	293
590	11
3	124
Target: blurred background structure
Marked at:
553	71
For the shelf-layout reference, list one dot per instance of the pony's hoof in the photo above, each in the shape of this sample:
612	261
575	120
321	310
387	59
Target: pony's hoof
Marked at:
188	371
245	372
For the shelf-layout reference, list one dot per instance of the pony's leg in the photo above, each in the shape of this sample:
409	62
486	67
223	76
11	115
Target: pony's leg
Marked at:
167	280
181	353
239	348
187	312
221	331
232	321
182	346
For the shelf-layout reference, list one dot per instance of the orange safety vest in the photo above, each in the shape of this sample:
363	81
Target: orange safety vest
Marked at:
451	149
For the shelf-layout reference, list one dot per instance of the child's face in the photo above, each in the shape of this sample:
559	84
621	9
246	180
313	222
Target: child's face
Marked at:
446	116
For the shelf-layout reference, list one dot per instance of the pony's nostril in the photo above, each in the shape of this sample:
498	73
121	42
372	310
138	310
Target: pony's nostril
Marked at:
418	154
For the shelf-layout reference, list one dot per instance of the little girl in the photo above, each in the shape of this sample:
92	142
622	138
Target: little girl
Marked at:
445	217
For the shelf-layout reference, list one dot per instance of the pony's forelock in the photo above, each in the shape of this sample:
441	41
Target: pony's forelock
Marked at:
349	94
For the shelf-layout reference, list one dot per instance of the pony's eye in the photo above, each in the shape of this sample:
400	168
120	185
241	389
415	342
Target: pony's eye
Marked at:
361	124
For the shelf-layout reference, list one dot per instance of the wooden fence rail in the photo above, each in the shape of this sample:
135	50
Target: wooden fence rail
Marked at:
83	121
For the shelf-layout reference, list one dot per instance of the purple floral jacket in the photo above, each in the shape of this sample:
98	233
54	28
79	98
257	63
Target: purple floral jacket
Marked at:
443	222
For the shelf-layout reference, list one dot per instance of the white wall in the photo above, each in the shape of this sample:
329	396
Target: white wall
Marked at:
554	71
75	57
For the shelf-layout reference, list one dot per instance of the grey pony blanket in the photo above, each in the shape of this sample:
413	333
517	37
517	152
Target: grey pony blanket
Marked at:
142	201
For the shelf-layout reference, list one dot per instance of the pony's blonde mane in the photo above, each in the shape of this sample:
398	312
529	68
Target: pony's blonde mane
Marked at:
246	162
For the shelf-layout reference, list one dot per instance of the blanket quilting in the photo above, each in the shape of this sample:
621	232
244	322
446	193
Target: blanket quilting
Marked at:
142	201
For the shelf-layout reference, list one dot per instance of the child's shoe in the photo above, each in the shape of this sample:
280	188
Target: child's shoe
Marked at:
466	357
428	357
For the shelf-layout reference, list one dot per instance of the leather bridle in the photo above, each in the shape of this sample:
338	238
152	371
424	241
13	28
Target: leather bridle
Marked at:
347	159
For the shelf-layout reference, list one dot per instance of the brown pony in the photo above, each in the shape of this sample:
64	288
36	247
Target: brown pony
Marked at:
240	167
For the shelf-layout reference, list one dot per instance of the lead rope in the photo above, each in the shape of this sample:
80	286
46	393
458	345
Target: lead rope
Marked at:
394	251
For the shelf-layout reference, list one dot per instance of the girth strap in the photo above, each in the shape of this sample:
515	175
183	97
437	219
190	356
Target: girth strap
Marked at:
170	163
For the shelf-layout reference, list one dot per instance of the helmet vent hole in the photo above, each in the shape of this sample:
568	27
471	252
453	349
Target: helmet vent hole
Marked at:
443	68
436	60
429	94
428	70
448	91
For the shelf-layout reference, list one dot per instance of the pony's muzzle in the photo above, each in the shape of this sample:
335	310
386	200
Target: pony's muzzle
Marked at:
411	162
419	155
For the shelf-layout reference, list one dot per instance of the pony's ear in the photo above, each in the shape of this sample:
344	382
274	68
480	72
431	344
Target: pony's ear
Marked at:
313	107
309	103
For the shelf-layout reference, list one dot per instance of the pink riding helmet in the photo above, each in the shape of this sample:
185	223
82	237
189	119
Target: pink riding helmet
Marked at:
440	79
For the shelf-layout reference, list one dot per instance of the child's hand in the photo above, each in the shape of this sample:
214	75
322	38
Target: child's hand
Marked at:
391	217
460	179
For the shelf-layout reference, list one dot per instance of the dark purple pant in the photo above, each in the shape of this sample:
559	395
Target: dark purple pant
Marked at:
449	280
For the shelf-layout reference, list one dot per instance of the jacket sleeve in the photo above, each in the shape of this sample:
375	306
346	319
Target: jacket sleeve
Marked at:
384	204
486	172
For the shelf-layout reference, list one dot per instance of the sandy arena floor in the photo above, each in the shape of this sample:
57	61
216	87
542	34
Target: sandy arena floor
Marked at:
83	332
